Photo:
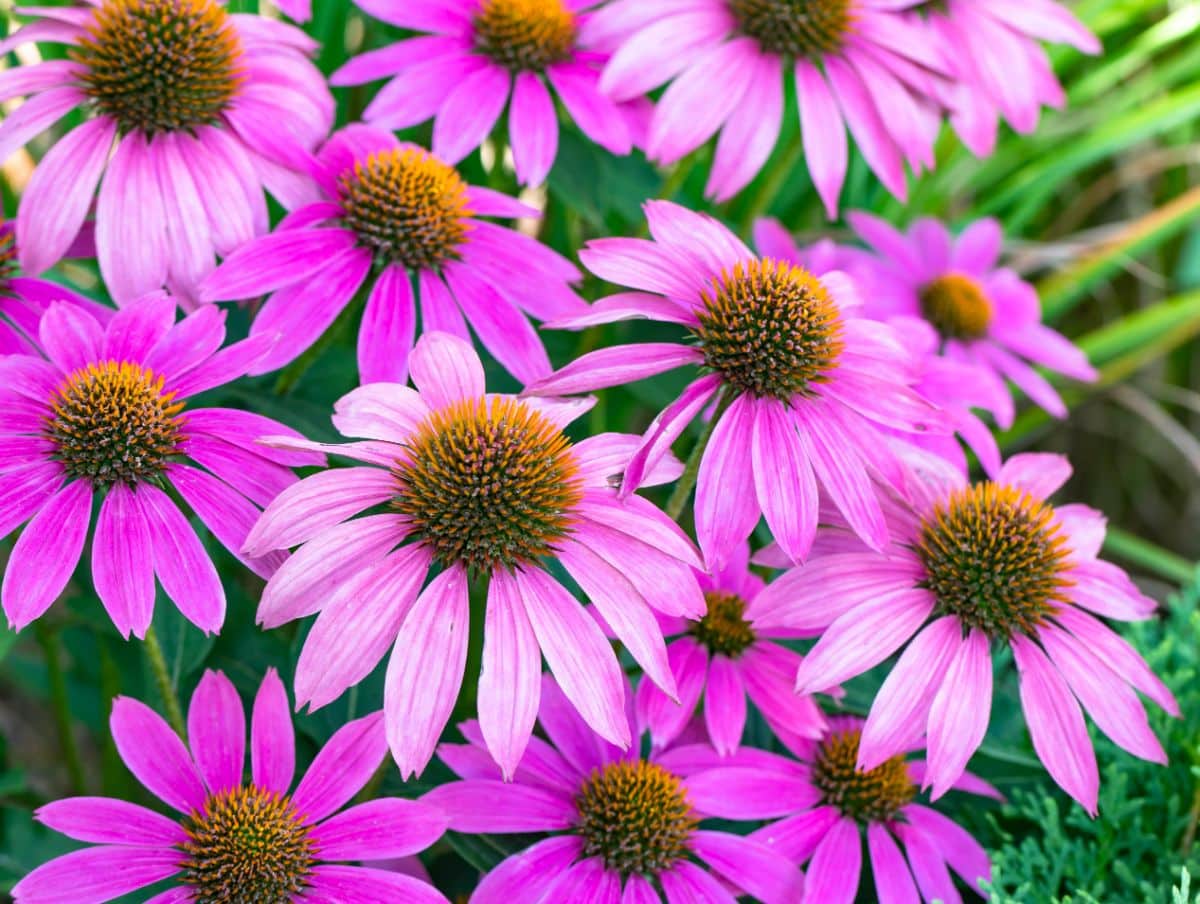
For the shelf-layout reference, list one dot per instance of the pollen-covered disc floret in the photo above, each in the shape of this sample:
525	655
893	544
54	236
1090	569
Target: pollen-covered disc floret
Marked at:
161	65
407	206
489	483
249	845
796	28
112	421
770	328
874	795
525	34
724	628
995	558
635	816
956	306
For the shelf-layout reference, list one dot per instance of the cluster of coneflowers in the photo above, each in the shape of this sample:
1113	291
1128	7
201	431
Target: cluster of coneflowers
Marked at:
834	388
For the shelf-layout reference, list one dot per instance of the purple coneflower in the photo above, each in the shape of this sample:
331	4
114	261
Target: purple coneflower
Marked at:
23	299
973	565
479	53
954	386
233	840
105	414
803	386
986	316
725	657
623	827
182	102
825	803
861	64
475	485
397	207
1000	68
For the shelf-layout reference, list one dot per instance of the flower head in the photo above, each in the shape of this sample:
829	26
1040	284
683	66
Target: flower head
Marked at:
859	64
478	486
822	805
392	213
954	386
724	657
975	313
107	413
233	840
805	389
475	55
181	99
972	566
619	824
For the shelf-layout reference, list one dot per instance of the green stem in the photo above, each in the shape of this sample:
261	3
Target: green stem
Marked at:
51	643
687	480
1155	559
162	678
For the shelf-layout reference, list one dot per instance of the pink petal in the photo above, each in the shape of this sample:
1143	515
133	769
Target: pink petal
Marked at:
217	732
156	756
533	129
724	705
272	741
426	670
783	479
183	566
98	874
341	768
833	874
725	506
446	370
378	830
123	561
958	718
893	882
469	112
484	806
388	327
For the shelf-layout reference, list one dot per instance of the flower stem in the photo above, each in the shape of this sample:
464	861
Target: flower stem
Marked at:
162	678
51	644
687	480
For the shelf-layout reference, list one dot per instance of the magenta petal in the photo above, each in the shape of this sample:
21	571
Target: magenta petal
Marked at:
155	755
579	655
965	855
863	638
378	830
893	881
46	553
748	793
425	671
833	874
331	884
751	865
388	327
510	676
533	129
341	769
724	704
272	738
217	732
525	876
1056	724
726	506
98	874
60	192
686	883
103	820
183	566
664	717
588	880
483	805
123	561
928	865
958	718
796	837
469	112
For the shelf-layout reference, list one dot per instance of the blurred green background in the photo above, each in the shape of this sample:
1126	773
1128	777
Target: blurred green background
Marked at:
1102	210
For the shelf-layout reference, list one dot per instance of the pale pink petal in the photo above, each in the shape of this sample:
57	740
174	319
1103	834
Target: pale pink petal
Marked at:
958	717
725	506
446	370
425	671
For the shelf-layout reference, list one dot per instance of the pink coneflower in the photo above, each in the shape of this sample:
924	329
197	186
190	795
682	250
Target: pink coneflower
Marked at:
183	124
481	486
233	840
479	53
986	316
861	64
954	386
105	414
804	387
972	565
726	657
401	209
827	804
23	299
623	828
1000	68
